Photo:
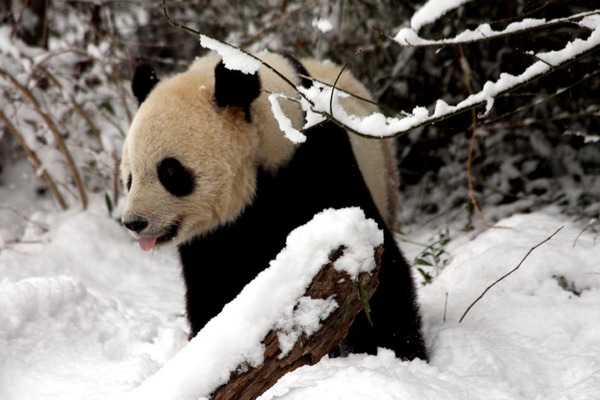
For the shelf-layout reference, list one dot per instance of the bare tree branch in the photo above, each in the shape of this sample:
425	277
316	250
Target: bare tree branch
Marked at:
34	160
507	274
57	137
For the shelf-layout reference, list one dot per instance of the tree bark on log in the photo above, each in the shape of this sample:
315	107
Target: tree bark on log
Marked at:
307	350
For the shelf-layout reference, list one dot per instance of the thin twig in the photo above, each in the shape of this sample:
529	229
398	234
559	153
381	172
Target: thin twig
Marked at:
507	21
466	72
34	160
247	41
265	64
333	88
353	95
76	106
508	273
489	121
54	129
177	24
26	218
588	226
445	308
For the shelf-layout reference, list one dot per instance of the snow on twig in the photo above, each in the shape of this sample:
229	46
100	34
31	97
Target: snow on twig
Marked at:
233	58
432	11
285	124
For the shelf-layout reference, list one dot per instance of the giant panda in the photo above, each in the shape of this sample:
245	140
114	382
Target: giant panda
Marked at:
207	169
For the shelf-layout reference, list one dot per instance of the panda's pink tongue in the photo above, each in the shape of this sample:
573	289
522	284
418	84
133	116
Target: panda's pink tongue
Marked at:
147	243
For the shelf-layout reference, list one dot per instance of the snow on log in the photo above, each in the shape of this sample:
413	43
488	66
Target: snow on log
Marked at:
292	314
308	350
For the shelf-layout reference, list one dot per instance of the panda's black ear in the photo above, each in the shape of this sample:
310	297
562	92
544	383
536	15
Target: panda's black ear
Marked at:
235	88
144	80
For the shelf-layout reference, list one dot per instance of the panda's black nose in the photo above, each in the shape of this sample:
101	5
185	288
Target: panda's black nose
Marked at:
136	225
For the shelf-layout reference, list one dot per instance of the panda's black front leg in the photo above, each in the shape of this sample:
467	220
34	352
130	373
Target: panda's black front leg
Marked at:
215	268
394	311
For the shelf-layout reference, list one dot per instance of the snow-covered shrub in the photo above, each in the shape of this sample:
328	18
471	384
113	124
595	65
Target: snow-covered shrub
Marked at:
64	96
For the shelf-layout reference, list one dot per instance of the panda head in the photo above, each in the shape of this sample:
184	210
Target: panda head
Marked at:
190	159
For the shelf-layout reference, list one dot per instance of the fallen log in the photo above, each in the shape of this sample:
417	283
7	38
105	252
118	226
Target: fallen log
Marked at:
254	381
292	314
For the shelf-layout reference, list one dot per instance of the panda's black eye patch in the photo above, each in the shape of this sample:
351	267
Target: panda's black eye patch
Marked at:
177	179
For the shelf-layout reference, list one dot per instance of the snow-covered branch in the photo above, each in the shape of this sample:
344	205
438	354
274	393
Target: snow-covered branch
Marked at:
322	102
433	10
409	36
321	97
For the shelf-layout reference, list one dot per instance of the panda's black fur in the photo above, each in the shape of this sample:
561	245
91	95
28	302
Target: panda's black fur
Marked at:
323	173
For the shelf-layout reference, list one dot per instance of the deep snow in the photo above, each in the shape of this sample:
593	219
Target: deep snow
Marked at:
86	314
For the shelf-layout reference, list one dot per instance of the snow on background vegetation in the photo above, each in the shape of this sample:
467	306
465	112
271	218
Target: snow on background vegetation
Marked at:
85	314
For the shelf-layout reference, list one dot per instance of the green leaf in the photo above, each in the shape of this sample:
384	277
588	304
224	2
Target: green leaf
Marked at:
422	261
364	298
426	276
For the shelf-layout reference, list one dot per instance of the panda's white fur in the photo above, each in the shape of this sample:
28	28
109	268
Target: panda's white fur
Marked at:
180	120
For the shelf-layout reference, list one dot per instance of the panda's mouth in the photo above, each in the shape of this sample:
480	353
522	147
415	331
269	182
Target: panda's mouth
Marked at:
169	234
150	242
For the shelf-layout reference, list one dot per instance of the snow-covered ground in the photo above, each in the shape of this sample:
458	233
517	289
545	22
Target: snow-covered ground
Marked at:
85	314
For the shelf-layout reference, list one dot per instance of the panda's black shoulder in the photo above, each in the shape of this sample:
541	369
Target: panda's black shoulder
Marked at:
300	69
